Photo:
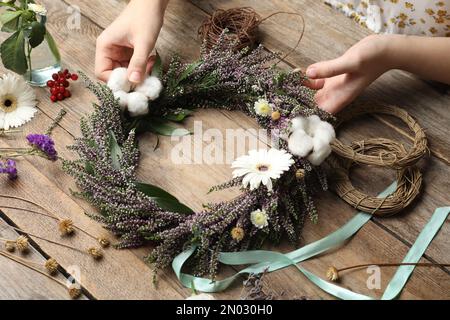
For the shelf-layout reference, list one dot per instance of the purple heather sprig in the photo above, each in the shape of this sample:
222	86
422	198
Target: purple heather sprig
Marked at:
43	144
9	167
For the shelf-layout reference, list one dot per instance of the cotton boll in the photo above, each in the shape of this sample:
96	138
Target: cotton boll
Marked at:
122	96
151	88
118	80
137	104
300	144
299	123
321	151
325	132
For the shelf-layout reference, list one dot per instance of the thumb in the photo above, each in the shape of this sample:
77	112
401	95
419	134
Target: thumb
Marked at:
331	68
138	63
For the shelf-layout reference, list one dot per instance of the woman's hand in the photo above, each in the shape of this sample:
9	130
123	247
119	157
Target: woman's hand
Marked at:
130	39
341	80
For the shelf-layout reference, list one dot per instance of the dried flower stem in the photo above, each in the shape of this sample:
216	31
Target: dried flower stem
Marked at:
56	122
420	264
29	265
87	252
23	259
47	213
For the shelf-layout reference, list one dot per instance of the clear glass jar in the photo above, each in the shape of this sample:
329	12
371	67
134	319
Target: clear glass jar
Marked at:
43	60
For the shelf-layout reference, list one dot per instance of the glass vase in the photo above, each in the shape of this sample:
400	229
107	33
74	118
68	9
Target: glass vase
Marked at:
43	60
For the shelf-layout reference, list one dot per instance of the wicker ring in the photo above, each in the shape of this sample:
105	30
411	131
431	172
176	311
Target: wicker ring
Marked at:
409	181
384	158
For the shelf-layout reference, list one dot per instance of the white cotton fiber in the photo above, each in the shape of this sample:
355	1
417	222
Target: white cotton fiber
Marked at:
151	88
325	131
299	123
300	144
122	96
321	151
118	80
137	104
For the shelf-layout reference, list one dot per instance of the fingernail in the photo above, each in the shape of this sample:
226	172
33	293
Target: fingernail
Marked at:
135	77
311	73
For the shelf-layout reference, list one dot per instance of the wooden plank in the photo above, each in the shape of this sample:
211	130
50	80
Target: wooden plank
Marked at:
328	35
167	178
21	283
59	183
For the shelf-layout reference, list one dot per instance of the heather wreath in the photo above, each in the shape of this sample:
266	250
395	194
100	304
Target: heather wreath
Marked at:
276	185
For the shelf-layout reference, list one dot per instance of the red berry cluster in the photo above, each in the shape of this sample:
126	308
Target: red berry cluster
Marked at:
60	84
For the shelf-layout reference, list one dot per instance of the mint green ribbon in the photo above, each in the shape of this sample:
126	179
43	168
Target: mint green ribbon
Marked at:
271	261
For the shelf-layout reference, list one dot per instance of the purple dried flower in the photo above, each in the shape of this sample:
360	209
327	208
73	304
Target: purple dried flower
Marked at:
9	168
45	144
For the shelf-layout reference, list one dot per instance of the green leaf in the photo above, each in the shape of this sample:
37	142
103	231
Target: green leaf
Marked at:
10	20
161	127
188	71
116	152
157	69
52	45
164	199
37	34
178	116
13	53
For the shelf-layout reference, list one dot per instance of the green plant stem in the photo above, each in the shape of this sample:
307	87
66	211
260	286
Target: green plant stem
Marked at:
30	68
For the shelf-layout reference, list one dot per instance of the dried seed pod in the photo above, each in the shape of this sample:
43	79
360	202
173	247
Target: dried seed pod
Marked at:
66	227
22	244
300	174
52	266
10	246
95	253
74	291
276	115
333	274
104	242
237	233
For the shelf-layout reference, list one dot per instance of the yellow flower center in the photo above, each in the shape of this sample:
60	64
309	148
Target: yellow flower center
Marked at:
8	103
260	219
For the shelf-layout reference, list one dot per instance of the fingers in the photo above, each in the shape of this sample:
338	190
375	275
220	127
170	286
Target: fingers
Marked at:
139	63
103	64
314	84
331	68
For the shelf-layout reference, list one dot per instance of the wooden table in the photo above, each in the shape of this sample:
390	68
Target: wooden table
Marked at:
123	274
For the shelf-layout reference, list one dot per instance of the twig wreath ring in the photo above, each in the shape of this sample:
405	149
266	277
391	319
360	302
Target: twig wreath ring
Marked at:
385	158
409	182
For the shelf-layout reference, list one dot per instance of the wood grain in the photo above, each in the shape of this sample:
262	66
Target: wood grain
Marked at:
123	274
19	282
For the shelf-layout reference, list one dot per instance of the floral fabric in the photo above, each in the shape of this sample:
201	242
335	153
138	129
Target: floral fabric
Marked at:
421	17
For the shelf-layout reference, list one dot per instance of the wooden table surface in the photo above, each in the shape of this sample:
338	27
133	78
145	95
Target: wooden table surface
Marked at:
123	274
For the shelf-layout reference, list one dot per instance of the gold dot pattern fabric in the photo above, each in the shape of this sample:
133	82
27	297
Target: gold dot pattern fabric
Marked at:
421	17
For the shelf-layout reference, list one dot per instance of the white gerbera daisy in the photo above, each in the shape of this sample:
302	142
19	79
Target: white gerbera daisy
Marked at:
17	102
37	8
263	108
261	166
259	218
